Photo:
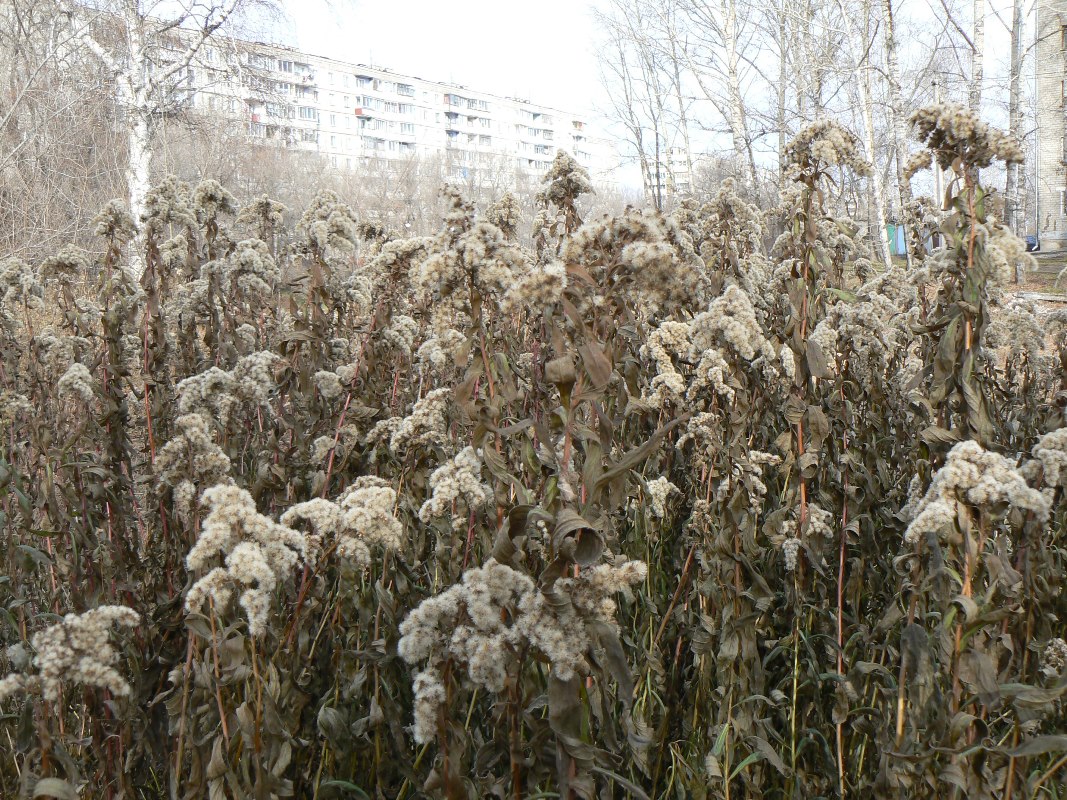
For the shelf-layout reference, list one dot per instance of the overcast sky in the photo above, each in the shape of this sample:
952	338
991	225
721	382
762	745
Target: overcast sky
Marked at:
541	51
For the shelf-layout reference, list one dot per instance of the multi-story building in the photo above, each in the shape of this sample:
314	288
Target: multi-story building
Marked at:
1051	104
353	113
672	173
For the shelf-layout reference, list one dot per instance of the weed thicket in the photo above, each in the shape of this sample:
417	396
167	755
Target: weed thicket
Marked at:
646	508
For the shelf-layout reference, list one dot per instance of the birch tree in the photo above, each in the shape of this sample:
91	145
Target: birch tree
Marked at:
146	48
1011	186
715	60
896	113
859	46
640	82
974	95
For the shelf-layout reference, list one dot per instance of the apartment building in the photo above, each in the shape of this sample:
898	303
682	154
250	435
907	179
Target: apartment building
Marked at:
352	113
1051	105
671	174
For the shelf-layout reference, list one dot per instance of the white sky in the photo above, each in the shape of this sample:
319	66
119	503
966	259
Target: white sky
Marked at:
541	51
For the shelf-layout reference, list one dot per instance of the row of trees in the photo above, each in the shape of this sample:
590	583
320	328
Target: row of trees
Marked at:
742	76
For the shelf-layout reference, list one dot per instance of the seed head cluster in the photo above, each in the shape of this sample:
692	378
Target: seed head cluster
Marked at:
480	623
952	131
456	479
826	143
77	650
362	518
976	477
191	459
257	551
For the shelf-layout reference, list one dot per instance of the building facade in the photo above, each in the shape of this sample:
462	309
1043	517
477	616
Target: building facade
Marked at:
353	113
1051	92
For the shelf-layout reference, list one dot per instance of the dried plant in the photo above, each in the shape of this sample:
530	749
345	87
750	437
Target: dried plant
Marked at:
647	509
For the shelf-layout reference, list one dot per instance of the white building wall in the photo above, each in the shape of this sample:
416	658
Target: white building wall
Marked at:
351	113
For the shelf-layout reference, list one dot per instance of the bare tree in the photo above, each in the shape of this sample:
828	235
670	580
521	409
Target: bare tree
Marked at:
860	42
896	112
714	57
640	80
57	146
1011	185
974	95
146	48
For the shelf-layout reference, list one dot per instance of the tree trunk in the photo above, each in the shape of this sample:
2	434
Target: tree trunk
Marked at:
738	117
135	106
898	135
860	52
683	119
974	96
1011	187
782	74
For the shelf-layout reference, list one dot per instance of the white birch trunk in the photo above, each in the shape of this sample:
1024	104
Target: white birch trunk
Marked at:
858	44
974	96
738	117
783	136
138	171
683	117
142	79
1011	186
896	113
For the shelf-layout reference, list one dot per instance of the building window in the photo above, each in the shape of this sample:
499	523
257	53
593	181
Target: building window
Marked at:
407	127
305	112
1063	201
333	120
405	90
